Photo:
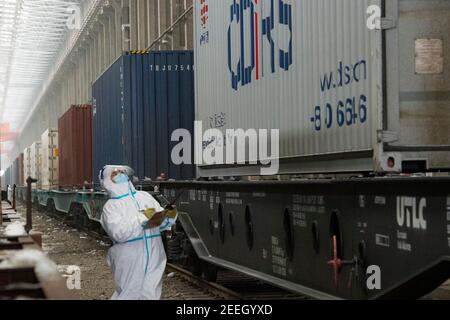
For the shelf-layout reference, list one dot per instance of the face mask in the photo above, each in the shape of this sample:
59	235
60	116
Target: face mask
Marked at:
121	178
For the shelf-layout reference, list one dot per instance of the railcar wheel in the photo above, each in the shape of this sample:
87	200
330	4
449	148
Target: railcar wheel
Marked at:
51	208
195	264
210	272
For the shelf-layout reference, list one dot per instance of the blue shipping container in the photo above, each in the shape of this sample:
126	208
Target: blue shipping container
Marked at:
137	104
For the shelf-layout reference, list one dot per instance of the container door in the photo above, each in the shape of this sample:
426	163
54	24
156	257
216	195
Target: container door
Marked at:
417	78
45	159
54	156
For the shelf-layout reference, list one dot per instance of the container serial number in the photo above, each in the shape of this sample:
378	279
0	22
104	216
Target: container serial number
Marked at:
171	67
347	112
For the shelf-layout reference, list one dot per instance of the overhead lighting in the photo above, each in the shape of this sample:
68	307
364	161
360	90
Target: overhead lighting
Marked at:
32	33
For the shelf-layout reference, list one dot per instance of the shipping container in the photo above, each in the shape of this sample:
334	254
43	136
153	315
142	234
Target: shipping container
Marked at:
10	193
344	97
21	170
75	146
3	181
15	172
49	157
36	163
9	177
26	164
138	102
6	179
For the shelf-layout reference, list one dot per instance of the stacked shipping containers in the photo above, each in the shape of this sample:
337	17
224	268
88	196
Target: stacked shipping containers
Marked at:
75	142
138	102
49	158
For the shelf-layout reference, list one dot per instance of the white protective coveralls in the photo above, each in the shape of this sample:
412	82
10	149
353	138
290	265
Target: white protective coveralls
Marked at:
137	259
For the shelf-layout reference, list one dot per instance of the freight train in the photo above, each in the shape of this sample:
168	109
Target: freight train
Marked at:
356	91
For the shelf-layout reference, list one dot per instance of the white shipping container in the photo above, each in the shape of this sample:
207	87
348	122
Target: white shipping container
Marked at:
10	194
348	90
50	159
26	163
36	163
3	183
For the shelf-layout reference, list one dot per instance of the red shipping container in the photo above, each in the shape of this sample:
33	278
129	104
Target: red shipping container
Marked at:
75	146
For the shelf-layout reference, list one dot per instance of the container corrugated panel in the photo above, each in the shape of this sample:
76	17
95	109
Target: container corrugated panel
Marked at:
7	180
50	159
313	69
75	146
26	163
36	163
21	171
138	102
15	172
3	182
8	177
17	169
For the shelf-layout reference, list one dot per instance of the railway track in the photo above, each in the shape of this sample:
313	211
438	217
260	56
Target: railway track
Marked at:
235	286
214	289
63	218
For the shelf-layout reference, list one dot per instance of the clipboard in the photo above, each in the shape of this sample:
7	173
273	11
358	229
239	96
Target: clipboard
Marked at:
157	218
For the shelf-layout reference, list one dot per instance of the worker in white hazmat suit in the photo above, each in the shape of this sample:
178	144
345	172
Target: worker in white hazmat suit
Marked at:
137	258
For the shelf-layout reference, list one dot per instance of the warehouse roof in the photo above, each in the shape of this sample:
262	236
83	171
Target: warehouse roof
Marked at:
32	33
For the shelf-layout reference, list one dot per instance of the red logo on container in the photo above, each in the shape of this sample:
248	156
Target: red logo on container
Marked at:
204	9
204	16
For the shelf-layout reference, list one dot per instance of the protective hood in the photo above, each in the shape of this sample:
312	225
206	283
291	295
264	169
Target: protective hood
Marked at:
116	190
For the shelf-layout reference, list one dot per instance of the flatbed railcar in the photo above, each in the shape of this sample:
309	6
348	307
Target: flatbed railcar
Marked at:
322	238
